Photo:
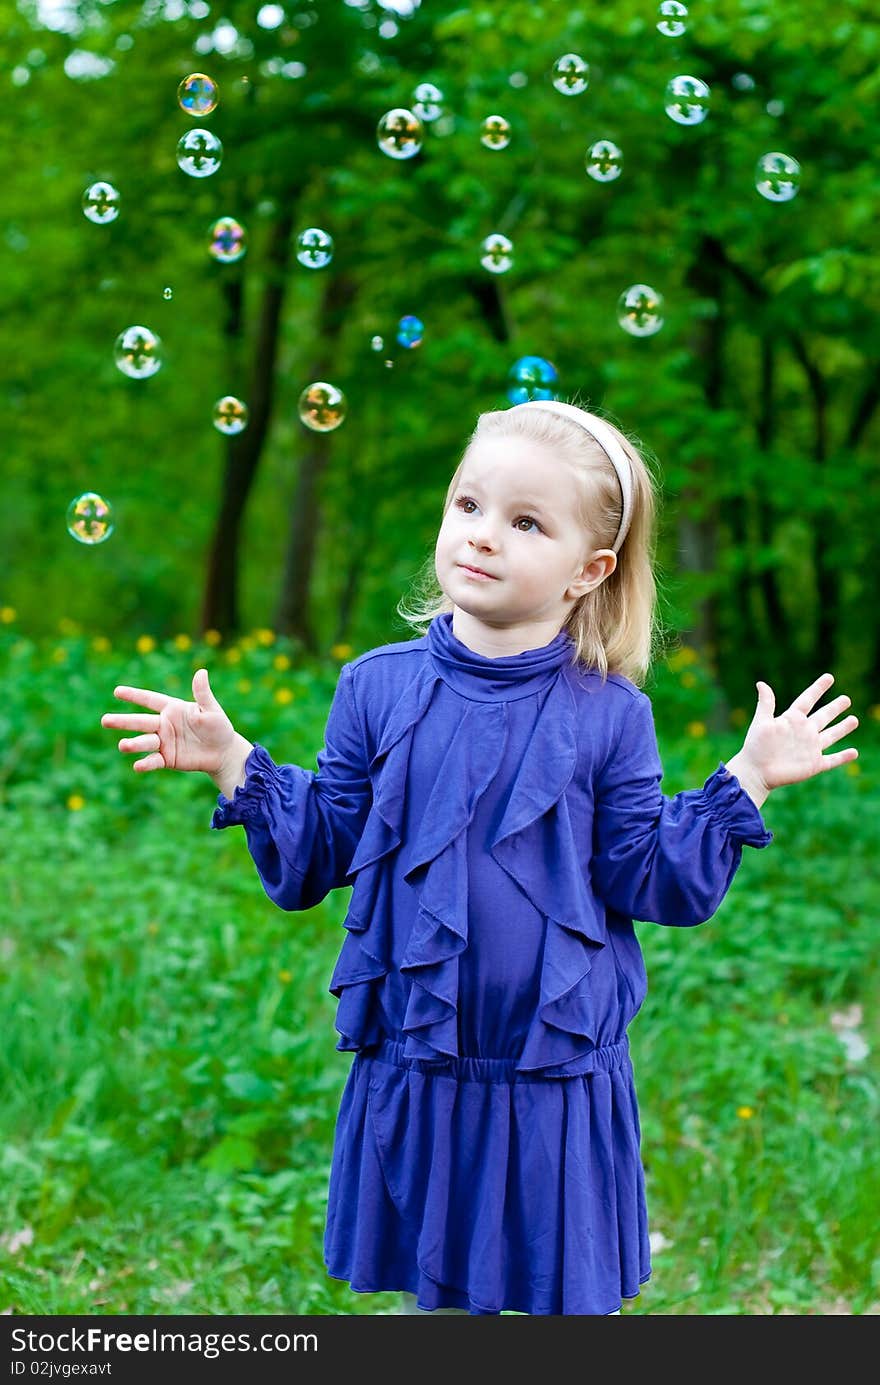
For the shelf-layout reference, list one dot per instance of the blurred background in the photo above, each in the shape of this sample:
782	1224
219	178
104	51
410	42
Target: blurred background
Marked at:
668	212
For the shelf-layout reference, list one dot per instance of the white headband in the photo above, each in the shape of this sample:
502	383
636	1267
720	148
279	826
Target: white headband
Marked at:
608	442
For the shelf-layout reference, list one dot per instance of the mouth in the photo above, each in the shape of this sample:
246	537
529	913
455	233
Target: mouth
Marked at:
477	571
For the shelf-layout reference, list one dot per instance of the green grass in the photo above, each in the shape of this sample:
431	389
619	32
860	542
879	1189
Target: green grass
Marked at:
168	1071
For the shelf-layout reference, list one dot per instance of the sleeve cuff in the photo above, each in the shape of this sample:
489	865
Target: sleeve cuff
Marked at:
246	803
731	807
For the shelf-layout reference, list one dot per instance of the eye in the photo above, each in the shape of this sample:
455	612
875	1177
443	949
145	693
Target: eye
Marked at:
463	500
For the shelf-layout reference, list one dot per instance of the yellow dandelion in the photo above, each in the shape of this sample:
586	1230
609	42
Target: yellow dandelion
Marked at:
152	928
7	614
145	644
340	651
745	1113
872	711
212	637
696	728
853	768
244	685
182	642
66	626
281	662
101	644
265	636
247	643
283	695
59	655
75	802
738	716
233	656
688	680
285	976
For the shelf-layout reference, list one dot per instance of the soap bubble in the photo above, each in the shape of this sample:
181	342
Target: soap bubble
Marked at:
197	94
775	108
314	248
410	331
138	352
495	132
604	161
640	310
230	415
322	407
399	133
777	177
228	240
687	100
167	292
199	153
89	518
743	81
672	17
531	377
571	75
100	203
496	253
427	102
377	344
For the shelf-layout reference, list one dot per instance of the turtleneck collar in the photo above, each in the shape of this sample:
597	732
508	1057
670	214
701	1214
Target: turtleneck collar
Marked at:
504	679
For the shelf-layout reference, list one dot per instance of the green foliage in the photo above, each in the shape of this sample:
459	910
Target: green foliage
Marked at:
169	1076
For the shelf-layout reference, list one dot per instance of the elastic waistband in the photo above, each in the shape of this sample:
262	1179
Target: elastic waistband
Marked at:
607	1058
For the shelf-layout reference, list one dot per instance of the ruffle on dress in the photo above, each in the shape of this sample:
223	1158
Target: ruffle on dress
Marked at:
534	844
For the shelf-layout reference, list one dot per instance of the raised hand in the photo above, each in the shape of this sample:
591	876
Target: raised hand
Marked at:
181	735
791	747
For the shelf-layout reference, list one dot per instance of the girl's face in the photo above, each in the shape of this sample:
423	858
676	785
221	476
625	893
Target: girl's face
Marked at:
514	514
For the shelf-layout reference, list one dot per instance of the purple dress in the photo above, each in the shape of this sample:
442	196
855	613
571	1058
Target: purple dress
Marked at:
501	824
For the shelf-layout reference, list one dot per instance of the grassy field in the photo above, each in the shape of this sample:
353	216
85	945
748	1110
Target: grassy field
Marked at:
168	1072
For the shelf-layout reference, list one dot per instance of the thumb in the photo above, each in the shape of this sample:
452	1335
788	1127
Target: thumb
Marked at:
202	688
766	698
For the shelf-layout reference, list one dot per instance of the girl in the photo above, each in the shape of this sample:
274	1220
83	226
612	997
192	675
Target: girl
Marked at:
491	792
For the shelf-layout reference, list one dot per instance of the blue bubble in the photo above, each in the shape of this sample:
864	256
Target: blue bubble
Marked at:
531	377
410	331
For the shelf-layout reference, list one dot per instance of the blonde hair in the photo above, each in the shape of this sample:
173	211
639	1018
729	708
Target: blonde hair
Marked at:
616	626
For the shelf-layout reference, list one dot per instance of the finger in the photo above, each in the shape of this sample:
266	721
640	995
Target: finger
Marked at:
143	696
810	696
137	744
837	733
842	757
766	698
826	714
130	721
151	762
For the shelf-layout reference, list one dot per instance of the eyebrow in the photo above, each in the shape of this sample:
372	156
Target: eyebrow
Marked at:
537	505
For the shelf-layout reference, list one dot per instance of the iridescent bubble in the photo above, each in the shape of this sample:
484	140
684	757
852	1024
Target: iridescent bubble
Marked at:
604	161
100	202
167	293
228	240
640	310
777	177
199	153
672	17
496	253
322	407
427	102
314	248
687	100
410	331
138	352
571	75
531	377
198	94
775	108
743	81
399	133
495	132
89	518
377	344
230	415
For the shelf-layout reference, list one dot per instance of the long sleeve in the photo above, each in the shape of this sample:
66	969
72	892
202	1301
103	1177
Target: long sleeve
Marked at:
661	859
303	826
